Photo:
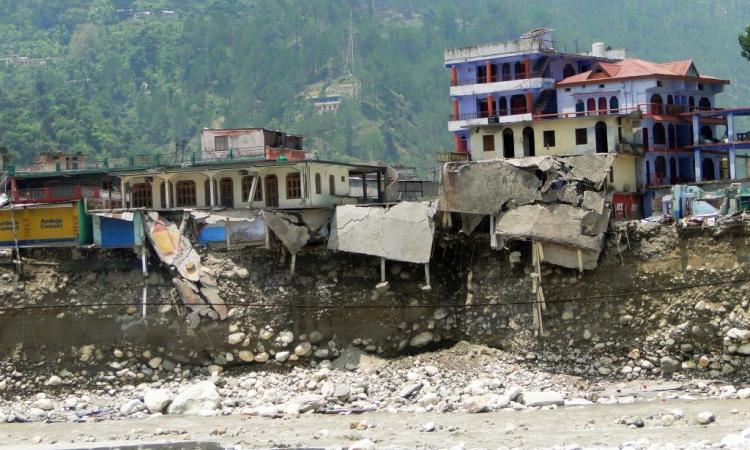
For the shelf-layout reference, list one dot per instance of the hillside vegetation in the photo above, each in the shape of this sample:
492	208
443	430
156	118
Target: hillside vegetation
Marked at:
116	84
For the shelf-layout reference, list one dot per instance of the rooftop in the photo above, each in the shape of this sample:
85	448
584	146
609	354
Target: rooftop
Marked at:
632	68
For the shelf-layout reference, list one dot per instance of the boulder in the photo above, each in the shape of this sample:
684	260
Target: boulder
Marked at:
543	398
156	400
198	398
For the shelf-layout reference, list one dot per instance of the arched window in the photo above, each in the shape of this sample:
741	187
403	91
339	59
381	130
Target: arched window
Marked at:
590	106
707	133
508	144
568	71
614	105
656	104
247	186
141	196
293	186
704	103
660	167
331	185
602	105
580	108
659	135
520	69
506	72
226	192
502	110
671	136
670	99
318	182
185	193
518	104
673	169
691	103
529	147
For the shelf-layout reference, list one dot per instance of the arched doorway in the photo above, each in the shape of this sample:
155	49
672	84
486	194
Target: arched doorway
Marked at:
568	71
506	72
691	103
528	142
520	70
656	104
601	137
272	191
590	106
614	105
659	135
708	169
508	146
704	103
602	106
518	104
706	133
673	170
672	136
580	108
226	196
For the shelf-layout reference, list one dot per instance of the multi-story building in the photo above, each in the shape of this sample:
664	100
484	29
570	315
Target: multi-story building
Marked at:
659	119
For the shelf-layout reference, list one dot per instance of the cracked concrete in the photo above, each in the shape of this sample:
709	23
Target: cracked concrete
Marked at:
403	232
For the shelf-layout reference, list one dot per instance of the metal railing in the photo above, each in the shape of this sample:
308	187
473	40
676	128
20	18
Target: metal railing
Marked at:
451	156
64	194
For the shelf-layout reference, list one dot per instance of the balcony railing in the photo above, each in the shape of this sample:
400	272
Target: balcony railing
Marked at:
495	79
64	194
136	162
451	156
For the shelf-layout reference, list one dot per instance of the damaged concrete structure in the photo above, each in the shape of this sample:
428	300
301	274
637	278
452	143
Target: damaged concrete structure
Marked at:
557	202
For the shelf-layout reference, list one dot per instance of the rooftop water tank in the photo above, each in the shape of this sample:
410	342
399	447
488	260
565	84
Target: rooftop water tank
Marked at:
598	49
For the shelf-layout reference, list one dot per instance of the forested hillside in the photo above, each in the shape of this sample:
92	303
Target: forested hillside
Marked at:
116	80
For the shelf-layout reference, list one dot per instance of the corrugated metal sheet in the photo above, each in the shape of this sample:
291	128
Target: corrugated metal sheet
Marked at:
124	230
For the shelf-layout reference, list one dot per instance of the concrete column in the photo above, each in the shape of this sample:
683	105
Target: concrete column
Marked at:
364	186
698	165
380	190
732	163
488	71
455	109
125	203
490	106
167	200
529	101
457	142
454	76
696	129
730	127
527	67
211	193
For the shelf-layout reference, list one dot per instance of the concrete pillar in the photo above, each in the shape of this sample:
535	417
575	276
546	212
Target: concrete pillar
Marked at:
490	106
732	163
488	71
529	101
457	142
380	190
167	194
364	186
527	67
455	109
211	193
454	76
730	127
125	204
698	165
696	129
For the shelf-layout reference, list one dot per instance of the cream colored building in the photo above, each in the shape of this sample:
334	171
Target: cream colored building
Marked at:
567	136
245	184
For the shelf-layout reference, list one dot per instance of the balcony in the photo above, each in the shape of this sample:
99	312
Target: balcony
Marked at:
55	194
478	86
451	156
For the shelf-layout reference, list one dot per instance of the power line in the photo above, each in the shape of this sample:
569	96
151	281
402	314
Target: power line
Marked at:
382	306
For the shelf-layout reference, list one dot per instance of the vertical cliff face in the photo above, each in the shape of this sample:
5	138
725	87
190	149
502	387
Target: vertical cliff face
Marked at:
662	299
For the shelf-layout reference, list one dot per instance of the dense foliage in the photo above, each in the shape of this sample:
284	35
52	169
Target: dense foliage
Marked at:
118	84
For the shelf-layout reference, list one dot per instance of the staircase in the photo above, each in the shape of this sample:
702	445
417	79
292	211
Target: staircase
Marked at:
543	101
540	66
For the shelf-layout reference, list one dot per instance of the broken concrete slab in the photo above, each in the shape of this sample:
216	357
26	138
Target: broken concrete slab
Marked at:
594	168
559	224
211	294
290	229
484	187
469	222
189	295
594	201
172	247
403	232
572	258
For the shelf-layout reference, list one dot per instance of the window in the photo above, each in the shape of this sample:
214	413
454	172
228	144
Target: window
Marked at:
659	83
293	186
506	72
590	105
700	86
318	187
140	195
614	104
247	185
601	86
331	185
580	108
221	143
582	136
185	193
488	141
568	71
549	138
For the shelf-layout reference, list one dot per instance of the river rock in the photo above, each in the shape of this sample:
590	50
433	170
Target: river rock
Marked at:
196	399
543	398
157	399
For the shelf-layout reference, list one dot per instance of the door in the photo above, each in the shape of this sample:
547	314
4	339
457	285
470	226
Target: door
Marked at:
528	142
601	137
272	191
227	192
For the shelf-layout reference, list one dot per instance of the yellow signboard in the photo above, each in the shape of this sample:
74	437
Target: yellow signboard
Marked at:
39	225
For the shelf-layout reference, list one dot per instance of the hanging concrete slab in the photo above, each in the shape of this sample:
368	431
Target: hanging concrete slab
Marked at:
403	232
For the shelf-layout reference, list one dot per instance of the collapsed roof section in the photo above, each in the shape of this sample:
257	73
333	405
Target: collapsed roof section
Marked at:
558	202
